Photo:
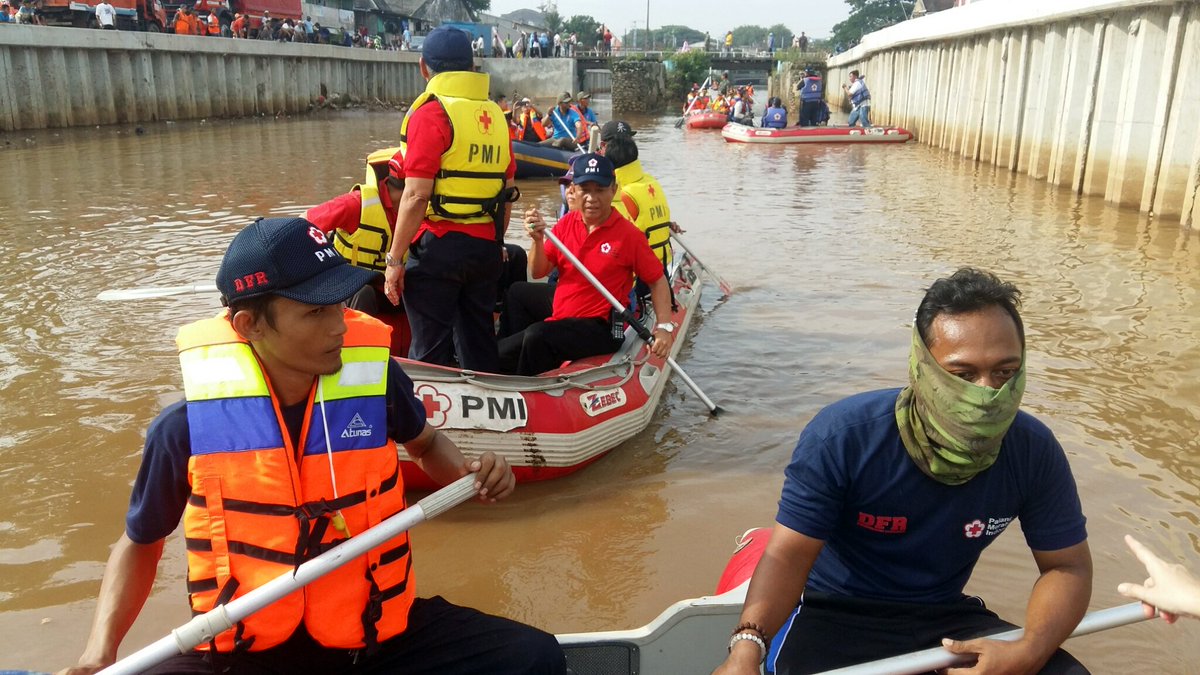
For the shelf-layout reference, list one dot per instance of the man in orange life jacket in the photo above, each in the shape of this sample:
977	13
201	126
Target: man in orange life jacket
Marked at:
458	191
245	464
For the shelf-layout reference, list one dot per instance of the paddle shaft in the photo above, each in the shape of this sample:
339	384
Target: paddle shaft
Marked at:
724	286
203	628
554	111
936	658
159	292
637	325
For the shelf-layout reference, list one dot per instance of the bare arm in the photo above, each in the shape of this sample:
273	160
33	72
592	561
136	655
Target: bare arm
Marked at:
775	590
408	218
660	297
1059	600
535	226
128	578
442	461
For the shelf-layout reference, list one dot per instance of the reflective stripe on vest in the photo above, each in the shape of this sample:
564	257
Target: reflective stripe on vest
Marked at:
469	186
654	215
257	508
367	245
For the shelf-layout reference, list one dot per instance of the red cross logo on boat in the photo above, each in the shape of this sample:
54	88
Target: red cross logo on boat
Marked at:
436	404
485	121
973	529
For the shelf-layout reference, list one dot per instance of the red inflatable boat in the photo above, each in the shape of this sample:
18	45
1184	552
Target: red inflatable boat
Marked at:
706	119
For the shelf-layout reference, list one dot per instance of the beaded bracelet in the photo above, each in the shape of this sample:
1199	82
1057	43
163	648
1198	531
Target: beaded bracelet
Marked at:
750	625
762	646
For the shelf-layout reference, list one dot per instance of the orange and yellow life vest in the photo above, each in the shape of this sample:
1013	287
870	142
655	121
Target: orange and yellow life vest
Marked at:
261	505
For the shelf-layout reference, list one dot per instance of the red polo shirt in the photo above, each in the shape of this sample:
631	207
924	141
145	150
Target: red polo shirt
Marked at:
613	253
344	212
429	138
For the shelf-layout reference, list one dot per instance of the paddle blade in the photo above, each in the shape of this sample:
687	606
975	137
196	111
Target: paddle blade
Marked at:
679	122
160	292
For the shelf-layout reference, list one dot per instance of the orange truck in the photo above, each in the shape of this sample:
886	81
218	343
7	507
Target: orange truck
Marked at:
148	15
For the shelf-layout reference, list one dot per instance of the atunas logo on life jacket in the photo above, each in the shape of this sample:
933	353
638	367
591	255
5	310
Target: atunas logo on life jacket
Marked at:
357	428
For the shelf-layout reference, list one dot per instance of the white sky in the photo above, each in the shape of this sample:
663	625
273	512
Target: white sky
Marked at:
815	17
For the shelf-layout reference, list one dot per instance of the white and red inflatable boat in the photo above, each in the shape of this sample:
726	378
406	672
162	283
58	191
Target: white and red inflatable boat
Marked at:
560	421
740	133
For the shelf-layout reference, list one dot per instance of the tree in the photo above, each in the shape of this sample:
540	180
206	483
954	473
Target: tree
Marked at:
553	21
585	27
477	6
868	16
749	36
685	69
783	35
673	36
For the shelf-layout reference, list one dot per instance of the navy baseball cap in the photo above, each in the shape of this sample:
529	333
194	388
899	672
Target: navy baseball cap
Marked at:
448	49
291	258
593	168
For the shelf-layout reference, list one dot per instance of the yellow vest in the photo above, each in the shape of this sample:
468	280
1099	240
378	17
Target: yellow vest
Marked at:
469	187
654	216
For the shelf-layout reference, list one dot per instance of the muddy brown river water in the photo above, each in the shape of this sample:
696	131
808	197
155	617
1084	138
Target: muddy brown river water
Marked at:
828	249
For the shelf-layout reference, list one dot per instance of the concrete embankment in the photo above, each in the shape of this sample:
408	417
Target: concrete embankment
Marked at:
65	77
1097	96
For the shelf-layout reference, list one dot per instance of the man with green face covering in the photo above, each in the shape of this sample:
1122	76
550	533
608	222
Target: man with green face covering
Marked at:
891	497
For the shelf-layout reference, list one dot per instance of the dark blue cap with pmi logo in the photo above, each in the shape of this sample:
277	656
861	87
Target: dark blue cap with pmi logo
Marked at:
289	257
448	49
593	168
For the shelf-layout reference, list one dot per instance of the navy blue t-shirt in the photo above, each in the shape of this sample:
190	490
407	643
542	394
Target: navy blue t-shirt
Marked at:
891	532
161	488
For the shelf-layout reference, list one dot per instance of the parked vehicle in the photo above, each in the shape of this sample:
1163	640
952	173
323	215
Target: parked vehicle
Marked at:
147	15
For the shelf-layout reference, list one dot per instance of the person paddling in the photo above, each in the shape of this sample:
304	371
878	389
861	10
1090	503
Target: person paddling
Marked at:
280	451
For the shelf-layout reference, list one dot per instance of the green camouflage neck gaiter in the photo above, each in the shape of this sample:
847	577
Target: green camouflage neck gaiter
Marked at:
952	428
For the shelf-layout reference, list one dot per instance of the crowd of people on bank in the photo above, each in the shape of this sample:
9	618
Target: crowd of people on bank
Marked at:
21	11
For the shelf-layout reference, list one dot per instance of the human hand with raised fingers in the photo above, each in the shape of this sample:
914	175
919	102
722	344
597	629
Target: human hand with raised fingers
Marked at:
1170	589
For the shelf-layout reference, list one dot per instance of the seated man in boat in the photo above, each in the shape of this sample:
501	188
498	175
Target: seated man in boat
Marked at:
528	123
243	462
775	116
587	117
564	122
582	322
892	496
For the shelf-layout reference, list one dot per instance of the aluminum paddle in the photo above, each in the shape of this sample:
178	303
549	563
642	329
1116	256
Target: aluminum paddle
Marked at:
203	628
937	658
721	283
638	328
159	292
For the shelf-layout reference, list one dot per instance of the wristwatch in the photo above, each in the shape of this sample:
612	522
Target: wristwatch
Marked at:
669	327
392	262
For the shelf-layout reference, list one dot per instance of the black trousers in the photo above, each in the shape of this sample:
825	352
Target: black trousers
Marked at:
525	304
441	639
810	113
546	344
832	632
449	294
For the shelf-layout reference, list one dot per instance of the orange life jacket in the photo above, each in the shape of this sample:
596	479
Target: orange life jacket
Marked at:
259	505
526	121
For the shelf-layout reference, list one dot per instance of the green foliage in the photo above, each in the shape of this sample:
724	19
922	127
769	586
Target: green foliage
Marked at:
783	35
477	6
585	27
673	36
553	21
686	68
868	16
749	36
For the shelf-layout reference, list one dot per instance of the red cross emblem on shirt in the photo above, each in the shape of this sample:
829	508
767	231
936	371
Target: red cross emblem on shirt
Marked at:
485	121
651	190
973	529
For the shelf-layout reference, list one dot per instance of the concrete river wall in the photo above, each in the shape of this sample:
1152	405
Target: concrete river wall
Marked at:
1098	96
65	77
